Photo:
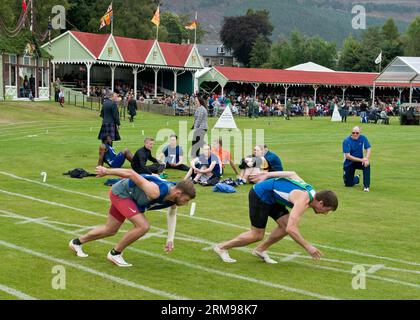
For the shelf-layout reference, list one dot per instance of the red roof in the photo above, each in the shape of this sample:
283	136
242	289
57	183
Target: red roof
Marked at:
92	41
357	79
297	77
134	50
175	54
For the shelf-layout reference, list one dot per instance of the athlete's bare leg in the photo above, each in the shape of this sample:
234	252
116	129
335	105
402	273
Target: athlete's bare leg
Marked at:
109	229
251	236
141	227
128	155
276	235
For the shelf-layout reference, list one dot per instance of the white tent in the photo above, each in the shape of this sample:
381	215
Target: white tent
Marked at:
401	70
310	66
404	70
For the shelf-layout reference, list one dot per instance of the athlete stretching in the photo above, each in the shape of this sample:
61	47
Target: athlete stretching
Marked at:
130	198
269	198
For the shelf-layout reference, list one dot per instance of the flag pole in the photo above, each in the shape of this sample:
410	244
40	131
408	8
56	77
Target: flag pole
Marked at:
112	20
196	26
32	17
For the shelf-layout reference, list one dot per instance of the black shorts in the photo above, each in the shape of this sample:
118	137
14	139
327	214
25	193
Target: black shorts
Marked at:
260	211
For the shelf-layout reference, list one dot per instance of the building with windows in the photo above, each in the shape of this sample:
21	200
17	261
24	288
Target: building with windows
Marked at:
105	60
24	68
217	55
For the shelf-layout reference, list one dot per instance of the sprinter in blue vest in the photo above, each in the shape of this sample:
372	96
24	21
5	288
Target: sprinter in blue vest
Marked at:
270	197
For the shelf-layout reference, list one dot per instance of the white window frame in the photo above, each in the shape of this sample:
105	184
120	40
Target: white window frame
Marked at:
12	56
222	61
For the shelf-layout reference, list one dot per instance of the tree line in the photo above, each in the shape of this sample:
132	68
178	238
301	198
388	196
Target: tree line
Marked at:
249	38
131	18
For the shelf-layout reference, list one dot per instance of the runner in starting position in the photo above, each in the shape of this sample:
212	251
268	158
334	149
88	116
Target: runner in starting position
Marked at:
269	198
130	198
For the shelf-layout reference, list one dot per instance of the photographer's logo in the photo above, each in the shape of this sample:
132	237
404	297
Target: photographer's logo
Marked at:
359	280
59	280
359	20
58	22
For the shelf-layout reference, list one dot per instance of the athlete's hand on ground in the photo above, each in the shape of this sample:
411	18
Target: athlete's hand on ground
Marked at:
169	246
258	177
315	253
100	171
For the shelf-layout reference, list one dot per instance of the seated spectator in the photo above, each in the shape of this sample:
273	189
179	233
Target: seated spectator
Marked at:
273	160
108	155
173	155
139	162
383	117
206	168
224	156
252	164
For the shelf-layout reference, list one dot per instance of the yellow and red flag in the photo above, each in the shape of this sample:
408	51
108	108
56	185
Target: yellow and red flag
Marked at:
107	18
156	17
192	25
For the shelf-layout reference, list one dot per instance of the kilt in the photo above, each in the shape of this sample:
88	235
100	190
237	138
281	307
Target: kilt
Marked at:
109	129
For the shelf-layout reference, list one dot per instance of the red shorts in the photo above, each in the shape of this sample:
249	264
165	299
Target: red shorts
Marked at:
121	208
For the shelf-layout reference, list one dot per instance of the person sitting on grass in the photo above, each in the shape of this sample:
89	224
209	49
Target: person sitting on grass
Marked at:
108	155
252	164
224	155
206	169
173	155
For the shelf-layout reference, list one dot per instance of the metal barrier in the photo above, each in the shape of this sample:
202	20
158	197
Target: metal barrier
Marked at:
92	103
156	108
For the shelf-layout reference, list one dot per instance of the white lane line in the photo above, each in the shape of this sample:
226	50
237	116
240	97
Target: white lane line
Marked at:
353	252
16	293
52	186
291	257
204	241
51	203
205	269
79	231
92	271
217	222
32	220
375	268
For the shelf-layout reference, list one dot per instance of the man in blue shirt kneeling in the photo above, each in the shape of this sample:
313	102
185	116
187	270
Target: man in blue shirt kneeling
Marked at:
354	158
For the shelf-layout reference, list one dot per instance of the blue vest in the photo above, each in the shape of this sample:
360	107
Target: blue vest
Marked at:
126	188
110	154
278	190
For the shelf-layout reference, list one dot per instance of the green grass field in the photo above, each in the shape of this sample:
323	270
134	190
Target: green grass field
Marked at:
379	230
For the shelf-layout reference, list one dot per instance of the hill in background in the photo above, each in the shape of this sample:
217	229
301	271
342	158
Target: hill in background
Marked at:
330	19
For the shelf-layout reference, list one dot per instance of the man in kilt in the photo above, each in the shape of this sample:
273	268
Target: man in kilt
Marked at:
110	118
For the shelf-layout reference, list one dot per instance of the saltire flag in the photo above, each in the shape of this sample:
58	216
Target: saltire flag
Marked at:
24	6
107	18
156	17
379	59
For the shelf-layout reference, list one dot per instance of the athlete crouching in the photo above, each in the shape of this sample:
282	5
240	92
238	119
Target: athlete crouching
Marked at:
130	199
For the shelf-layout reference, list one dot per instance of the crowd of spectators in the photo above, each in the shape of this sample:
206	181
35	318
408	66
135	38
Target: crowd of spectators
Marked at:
273	105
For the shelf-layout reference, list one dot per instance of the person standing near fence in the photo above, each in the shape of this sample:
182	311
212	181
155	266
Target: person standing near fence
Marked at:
110	118
200	126
132	107
61	98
